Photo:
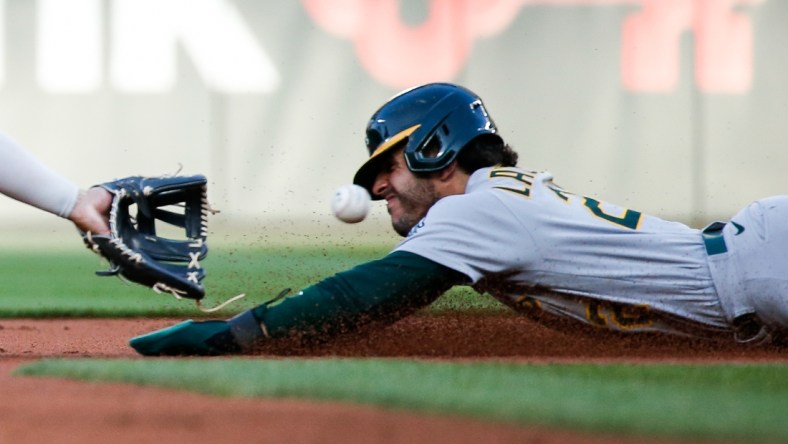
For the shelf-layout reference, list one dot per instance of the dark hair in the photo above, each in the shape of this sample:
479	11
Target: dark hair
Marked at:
484	152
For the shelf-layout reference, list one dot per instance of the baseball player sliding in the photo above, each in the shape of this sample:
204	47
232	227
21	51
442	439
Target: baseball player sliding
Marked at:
470	216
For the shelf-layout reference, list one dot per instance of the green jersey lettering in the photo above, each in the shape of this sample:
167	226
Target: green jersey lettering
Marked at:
526	178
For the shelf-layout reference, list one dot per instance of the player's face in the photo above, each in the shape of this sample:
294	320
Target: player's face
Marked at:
407	197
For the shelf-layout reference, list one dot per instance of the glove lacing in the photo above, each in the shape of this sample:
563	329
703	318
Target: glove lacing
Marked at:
160	287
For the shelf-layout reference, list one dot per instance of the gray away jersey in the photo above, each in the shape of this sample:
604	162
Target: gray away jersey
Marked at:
551	253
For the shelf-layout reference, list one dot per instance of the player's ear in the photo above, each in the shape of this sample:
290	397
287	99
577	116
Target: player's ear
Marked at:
448	172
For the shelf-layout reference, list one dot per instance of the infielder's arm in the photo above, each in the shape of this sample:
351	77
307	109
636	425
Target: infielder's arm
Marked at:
380	291
26	179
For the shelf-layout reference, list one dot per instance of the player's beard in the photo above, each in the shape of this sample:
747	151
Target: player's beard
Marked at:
414	204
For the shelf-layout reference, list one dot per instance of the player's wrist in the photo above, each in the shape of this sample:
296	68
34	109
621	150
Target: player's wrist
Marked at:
247	329
91	209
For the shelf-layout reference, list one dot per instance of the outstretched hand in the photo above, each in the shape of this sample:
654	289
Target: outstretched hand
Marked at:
91	212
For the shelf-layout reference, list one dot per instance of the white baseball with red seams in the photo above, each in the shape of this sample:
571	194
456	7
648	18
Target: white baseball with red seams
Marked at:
350	203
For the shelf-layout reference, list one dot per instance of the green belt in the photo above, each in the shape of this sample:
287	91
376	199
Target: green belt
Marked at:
714	240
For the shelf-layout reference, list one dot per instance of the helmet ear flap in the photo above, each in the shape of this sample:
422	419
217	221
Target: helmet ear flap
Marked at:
434	147
427	146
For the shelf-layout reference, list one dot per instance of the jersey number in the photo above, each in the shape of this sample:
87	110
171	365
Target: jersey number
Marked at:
629	219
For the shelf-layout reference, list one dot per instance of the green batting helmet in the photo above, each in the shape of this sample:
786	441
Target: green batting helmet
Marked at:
440	116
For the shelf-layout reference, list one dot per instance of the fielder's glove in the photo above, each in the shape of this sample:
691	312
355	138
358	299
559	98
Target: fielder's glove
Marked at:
137	252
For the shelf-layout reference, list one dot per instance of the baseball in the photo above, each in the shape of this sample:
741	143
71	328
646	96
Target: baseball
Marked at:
350	203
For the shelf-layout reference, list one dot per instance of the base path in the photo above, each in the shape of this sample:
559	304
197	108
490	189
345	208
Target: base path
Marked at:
52	410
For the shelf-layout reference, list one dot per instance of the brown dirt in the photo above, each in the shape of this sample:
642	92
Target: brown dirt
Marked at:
54	410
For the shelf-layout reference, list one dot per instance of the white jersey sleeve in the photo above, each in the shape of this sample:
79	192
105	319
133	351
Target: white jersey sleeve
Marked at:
473	234
26	179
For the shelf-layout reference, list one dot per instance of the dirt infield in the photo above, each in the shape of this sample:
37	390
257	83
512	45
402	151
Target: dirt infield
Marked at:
52	410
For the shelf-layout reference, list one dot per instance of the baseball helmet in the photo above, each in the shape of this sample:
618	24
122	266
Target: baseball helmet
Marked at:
434	121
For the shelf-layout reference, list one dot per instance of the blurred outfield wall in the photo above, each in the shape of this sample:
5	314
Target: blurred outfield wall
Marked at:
678	108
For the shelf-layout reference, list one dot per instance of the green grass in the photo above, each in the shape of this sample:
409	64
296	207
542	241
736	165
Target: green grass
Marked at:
734	402
63	283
